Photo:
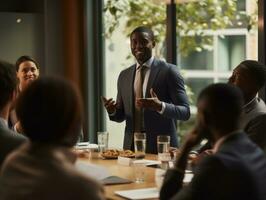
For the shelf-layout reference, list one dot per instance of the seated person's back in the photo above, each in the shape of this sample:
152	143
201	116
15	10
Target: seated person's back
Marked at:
237	167
236	171
50	114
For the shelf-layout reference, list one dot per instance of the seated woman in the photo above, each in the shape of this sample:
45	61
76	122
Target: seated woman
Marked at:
28	70
50	114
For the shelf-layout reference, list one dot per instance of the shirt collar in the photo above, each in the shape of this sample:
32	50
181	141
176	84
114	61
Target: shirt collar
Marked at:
148	63
60	153
250	102
219	142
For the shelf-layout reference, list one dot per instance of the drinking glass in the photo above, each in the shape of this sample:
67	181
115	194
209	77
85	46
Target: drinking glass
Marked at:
102	141
159	177
139	171
163	145
140	145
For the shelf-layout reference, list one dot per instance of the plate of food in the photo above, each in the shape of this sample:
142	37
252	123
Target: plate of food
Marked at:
110	154
127	154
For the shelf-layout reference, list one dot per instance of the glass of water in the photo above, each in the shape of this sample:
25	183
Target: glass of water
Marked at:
163	146
139	171
140	145
102	141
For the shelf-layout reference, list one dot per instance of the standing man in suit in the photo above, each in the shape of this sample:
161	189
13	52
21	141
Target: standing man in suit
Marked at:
154	79
237	167
9	140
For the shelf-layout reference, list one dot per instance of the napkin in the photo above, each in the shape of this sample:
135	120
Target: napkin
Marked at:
146	193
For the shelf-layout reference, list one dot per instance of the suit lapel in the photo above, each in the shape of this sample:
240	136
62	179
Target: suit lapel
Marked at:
131	85
155	68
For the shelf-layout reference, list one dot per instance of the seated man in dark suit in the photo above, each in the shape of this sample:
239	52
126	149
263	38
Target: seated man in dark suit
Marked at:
236	169
9	140
250	77
49	110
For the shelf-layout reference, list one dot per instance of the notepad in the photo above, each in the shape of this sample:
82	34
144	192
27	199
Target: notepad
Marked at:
147	193
86	145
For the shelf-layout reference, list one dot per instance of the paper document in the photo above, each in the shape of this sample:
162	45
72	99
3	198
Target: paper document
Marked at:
96	171
188	177
86	145
150	162
147	193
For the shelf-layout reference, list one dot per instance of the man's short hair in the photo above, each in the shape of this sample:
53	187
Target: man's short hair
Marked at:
257	71
8	82
50	111
143	29
24	58
223	105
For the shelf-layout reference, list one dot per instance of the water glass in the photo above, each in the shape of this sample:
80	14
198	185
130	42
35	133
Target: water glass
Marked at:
140	145
159	177
139	171
102	141
163	146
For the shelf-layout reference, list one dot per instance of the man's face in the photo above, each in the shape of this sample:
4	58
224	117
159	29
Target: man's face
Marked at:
243	80
141	46
27	73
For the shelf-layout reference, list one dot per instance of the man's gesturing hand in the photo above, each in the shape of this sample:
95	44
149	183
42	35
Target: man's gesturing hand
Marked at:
109	104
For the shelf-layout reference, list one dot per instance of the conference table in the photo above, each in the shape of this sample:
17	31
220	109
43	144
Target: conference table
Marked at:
123	171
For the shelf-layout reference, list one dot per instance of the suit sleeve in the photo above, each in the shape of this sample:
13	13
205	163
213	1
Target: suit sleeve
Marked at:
256	130
179	106
119	115
172	184
206	183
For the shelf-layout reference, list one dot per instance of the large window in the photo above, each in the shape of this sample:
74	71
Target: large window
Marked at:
222	47
228	47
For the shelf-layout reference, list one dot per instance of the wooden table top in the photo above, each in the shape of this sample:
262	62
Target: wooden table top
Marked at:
124	172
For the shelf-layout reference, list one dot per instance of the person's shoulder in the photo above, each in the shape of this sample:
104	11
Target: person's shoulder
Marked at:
9	136
210	161
130	68
260	118
15	154
171	68
126	72
162	62
83	184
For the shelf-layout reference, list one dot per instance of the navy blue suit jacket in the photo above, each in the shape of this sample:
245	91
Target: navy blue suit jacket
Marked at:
168	84
236	171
